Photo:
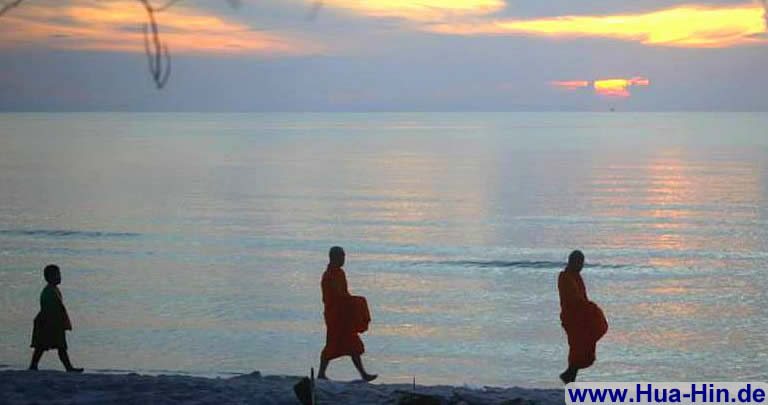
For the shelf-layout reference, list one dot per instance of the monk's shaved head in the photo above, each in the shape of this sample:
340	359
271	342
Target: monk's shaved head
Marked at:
336	256
576	261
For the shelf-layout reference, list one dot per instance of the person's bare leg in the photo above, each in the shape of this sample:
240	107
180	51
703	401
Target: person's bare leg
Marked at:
35	358
358	362
64	357
323	366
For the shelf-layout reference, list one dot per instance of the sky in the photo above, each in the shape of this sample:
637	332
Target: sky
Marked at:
389	55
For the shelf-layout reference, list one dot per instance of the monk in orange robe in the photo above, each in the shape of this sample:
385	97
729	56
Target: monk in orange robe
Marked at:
345	317
582	319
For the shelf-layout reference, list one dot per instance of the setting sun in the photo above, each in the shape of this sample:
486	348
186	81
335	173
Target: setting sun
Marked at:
604	87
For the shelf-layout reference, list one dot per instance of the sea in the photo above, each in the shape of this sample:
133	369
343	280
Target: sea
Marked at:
194	243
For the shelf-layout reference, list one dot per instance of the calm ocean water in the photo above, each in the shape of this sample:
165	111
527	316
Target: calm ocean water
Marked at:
196	242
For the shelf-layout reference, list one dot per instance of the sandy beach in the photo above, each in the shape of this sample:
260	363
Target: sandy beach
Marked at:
55	387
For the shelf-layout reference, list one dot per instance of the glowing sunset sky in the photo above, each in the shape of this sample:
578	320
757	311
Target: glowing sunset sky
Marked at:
389	55
605	87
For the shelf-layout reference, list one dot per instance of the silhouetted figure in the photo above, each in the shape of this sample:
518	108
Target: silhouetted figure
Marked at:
52	322
345	317
582	319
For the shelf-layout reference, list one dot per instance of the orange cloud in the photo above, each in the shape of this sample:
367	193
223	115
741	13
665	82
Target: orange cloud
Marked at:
93	25
605	87
571	84
683	26
422	10
619	87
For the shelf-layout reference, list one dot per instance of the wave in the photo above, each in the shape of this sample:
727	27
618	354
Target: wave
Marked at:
523	264
67	233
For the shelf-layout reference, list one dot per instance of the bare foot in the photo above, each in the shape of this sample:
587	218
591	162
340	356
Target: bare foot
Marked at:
32	368
566	377
75	370
322	377
370	377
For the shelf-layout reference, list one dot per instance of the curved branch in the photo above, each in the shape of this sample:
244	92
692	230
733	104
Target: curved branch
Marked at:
6	7
159	67
167	72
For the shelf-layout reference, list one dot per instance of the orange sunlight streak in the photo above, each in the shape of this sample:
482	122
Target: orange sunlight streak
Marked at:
115	26
571	85
423	10
690	26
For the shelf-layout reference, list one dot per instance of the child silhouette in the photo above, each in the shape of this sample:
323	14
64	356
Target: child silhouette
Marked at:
52	322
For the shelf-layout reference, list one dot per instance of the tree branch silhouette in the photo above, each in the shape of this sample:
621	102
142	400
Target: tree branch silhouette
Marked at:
158	56
7	6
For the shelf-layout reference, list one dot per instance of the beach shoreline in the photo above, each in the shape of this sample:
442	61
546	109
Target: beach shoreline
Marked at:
49	387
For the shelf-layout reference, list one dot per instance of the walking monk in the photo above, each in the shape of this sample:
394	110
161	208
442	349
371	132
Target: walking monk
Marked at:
345	317
582	319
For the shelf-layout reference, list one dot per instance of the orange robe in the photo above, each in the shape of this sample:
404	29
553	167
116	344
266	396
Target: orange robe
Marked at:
342	323
582	319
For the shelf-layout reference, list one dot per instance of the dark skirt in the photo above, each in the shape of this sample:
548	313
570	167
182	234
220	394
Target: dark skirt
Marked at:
48	334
